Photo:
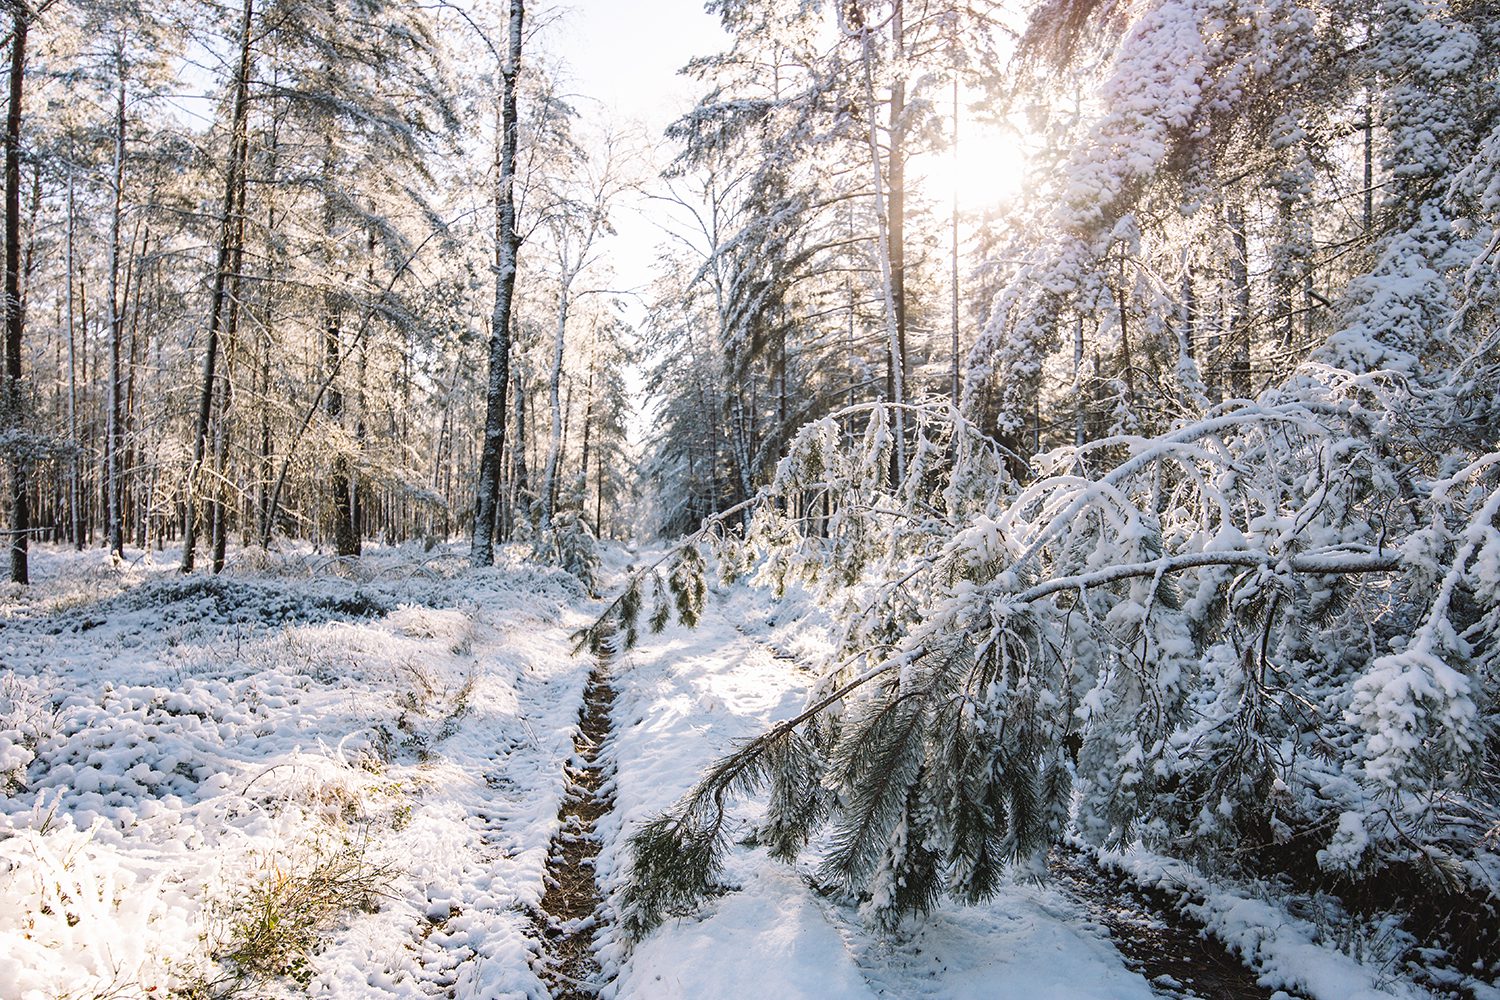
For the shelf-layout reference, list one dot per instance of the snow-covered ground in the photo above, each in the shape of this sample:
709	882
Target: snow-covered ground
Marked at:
349	775
684	696
342	780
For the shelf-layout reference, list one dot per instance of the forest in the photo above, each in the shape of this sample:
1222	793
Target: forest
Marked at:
1045	430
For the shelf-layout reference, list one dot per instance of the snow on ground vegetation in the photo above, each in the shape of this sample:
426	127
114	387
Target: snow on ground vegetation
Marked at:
309	777
341	778
687	697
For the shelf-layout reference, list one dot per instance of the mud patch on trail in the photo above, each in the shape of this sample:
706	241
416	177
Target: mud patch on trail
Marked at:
1171	950
571	905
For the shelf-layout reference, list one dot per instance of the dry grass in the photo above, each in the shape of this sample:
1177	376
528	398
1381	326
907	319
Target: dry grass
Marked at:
295	897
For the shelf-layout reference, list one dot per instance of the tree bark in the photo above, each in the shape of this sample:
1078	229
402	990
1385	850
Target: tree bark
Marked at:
75	497
226	397
114	440
954	388
20	511
554	400
238	153
507	244
883	252
520	473
1239	277
896	209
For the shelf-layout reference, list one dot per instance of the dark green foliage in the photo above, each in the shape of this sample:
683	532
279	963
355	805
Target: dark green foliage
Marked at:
630	612
970	802
673	867
676	857
875	766
910	879
196	600
680	592
799	802
1072	656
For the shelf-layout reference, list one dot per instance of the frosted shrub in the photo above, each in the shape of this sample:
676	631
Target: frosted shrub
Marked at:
271	926
78	918
568	541
1269	626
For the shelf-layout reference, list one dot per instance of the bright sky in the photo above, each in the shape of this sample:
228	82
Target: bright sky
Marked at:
625	56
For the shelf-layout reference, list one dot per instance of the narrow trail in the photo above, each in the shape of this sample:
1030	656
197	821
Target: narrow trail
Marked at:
1156	940
500	752
570	908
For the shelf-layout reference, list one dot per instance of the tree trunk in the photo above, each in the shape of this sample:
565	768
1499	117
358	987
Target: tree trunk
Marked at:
131	451
263	511
507	243
1127	361
238	154
883	252
20	511
1239	276
1369	162
114	439
896	209
75	492
520	473
341	485
554	399
588	426
226	387
953	374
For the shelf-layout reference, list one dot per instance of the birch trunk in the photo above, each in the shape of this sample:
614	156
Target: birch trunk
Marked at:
507	243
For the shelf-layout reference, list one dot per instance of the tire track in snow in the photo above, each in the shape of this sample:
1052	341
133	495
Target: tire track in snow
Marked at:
1175	954
504	768
571	909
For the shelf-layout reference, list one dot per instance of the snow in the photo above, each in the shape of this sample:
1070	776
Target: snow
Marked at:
1284	949
767	936
171	744
684	698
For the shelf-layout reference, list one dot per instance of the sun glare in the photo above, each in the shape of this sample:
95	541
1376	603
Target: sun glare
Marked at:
987	170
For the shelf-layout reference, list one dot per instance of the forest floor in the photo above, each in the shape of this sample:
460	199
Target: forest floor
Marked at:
394	777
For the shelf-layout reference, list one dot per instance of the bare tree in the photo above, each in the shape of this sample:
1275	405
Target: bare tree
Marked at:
115	432
576	231
230	225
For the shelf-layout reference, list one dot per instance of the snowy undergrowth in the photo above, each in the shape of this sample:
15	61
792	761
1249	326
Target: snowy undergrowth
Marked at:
682	696
337	777
686	697
1287	951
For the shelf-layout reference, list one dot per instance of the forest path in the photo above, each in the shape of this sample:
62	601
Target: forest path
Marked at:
1182	961
684	697
497	781
572	905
